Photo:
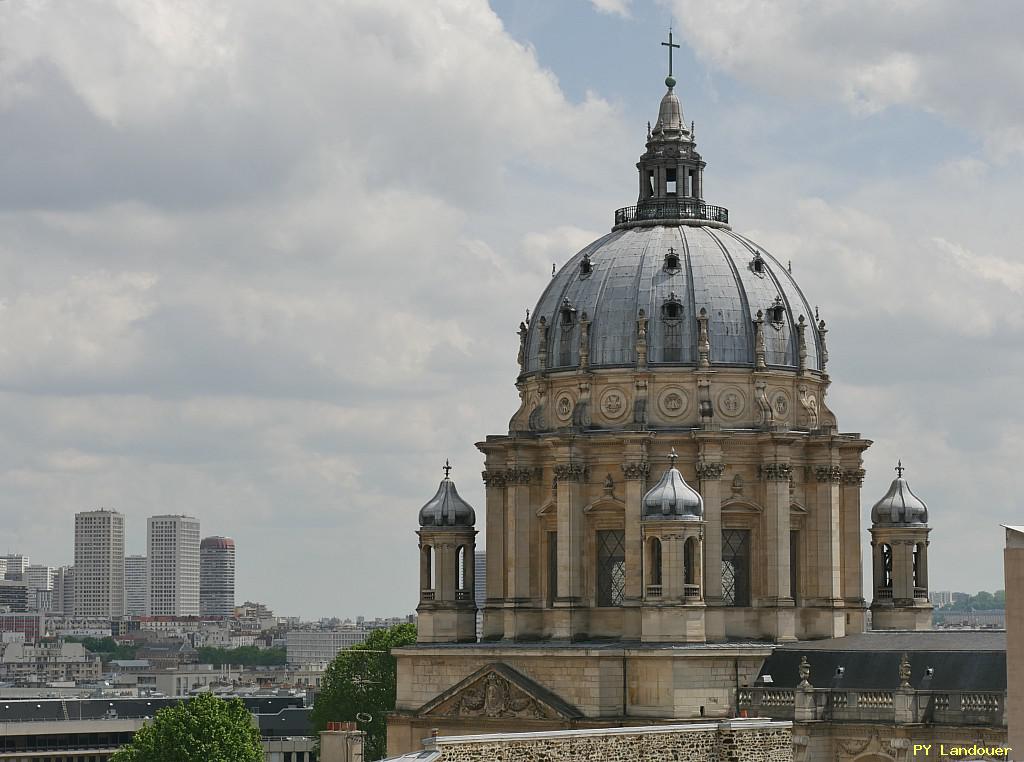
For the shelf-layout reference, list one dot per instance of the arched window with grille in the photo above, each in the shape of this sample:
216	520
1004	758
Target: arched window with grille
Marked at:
672	329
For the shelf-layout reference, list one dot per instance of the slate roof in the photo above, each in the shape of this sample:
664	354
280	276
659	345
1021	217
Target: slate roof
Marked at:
960	660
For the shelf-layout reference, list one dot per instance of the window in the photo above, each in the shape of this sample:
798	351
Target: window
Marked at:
611	567
672	260
794	563
886	551
690	561
586	266
777	312
672	319
461	563
736	567
654	561
568	321
427	571
552	567
919	580
670	181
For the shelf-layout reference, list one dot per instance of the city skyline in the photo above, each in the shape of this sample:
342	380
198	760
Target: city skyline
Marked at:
210	302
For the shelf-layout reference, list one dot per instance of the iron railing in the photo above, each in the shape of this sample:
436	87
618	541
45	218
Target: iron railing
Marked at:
671	209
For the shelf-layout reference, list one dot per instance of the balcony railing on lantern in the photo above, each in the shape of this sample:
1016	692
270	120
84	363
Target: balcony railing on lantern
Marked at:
691	592
426	595
463	595
671	209
921	593
654	591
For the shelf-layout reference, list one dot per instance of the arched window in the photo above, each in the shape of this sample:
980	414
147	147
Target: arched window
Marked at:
886	551
567	322
427	568
672	321
460	562
672	262
611	567
919	574
654	561
586	266
690	561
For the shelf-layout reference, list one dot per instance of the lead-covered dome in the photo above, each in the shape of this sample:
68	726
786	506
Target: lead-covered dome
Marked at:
900	506
447	508
666	259
671	272
672	497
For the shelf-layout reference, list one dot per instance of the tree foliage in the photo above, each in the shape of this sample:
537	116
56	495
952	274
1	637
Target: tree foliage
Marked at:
983	601
109	648
363	681
247	656
202	729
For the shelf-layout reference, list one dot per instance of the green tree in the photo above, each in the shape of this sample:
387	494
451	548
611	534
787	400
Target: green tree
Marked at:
362	682
202	729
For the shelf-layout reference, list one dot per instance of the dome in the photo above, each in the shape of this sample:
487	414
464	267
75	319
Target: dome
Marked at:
446	507
672	497
900	506
670	271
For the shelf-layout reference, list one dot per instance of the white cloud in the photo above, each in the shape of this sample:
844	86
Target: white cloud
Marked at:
613	7
942	56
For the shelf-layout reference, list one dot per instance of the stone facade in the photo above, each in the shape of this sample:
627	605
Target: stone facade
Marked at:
733	741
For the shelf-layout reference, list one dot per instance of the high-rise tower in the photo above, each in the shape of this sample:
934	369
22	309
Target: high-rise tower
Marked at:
99	563
217	576
172	547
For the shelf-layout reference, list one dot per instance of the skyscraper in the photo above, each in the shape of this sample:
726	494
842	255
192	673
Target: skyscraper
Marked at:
172	547
217	576
15	565
64	589
136	577
39	579
99	563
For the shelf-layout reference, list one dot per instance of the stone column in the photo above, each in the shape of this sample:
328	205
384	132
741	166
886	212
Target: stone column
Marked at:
635	472
902	570
827	533
519	536
493	622
853	574
776	472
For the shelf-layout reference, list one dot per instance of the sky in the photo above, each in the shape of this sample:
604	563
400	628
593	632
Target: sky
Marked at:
263	263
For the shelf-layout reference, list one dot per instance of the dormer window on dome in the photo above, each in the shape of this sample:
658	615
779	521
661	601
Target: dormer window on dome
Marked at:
672	319
672	262
777	313
586	266
757	264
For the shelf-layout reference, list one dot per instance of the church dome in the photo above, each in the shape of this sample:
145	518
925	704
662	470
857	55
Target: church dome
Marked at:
900	506
672	497
446	507
665	260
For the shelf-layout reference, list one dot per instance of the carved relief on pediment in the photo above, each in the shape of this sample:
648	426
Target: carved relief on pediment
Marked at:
497	692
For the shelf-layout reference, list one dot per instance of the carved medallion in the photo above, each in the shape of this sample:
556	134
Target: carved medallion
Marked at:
673	402
563	408
780	403
613	404
731	403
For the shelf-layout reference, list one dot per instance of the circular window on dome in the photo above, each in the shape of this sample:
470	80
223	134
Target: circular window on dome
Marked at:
731	402
614	404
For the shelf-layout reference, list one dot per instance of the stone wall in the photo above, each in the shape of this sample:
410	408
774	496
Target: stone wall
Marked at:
732	741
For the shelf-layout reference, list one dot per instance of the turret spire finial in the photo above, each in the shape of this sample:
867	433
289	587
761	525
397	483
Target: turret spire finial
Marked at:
673	457
900	469
670	45
446	468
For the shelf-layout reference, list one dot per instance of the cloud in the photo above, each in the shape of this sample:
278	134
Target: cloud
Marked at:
940	57
613	7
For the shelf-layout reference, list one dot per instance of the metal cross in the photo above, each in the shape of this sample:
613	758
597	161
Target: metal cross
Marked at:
670	45
447	468
673	457
900	469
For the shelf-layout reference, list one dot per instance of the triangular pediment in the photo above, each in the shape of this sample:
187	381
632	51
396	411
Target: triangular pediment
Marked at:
496	691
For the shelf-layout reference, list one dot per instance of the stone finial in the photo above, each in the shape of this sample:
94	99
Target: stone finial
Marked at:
521	359
801	328
641	339
703	341
542	350
584	340
905	672
804	671
609	484
822	330
759	350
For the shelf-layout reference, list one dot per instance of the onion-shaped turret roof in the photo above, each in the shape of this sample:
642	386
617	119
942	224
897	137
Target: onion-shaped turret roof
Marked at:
900	506
446	508
672	497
